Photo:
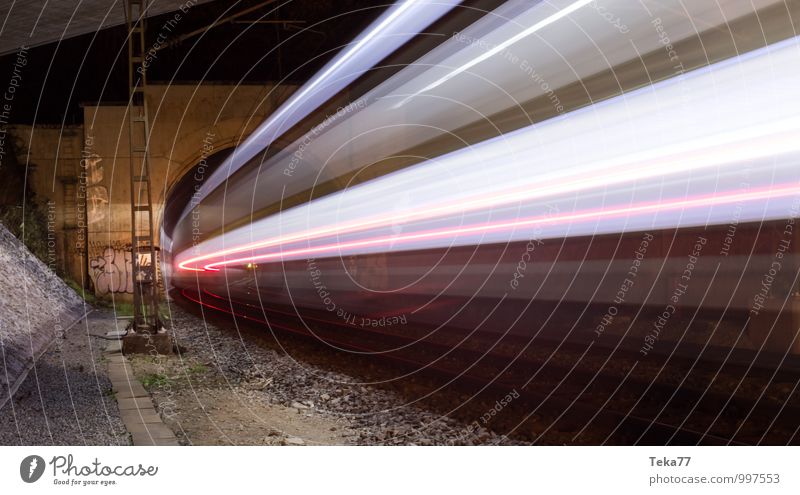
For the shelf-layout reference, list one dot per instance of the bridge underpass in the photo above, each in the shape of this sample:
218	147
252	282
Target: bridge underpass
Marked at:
487	223
82	170
215	71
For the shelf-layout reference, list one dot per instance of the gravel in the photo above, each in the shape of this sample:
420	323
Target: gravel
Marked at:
66	398
315	382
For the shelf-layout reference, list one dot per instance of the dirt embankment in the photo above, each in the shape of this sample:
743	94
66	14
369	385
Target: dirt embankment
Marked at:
35	307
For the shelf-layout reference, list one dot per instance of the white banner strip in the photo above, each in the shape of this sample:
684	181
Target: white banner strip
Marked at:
400	470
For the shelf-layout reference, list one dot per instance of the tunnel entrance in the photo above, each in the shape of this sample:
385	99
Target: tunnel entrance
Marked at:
181	192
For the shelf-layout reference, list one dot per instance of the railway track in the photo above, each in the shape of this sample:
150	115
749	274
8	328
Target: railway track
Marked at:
565	388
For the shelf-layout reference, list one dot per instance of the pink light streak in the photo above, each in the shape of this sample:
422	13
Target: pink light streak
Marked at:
728	148
603	213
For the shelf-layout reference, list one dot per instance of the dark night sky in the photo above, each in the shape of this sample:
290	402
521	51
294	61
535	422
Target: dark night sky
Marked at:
93	67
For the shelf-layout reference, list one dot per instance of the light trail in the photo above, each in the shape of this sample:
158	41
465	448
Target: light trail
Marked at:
481	229
751	143
547	161
390	31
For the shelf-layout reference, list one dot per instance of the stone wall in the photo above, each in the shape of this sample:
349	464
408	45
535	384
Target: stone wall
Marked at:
53	159
85	170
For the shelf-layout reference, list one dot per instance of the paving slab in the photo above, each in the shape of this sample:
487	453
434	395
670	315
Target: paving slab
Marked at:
155	430
120	369
136	403
145	441
114	347
132	416
129	394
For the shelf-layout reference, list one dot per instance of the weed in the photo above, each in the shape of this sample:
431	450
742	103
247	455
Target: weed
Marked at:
155	380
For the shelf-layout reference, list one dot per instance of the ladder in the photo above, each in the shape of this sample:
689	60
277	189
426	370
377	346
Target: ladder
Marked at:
143	250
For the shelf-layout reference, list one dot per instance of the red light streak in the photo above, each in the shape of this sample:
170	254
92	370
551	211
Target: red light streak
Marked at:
703	201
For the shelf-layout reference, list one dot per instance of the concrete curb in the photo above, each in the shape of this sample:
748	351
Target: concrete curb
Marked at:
135	405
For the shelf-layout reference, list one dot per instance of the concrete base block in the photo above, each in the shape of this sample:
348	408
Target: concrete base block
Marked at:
147	343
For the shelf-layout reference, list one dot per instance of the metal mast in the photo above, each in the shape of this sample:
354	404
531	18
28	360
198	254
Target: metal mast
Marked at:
143	252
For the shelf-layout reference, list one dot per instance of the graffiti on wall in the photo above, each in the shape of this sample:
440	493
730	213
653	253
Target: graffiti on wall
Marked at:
111	271
111	268
96	193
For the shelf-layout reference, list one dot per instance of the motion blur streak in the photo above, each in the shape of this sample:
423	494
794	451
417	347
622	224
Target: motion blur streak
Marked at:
499	181
449	235
503	46
392	30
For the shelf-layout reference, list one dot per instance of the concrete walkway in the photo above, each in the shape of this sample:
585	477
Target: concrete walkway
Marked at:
135	405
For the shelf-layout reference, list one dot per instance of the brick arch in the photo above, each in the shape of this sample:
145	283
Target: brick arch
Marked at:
226	134
231	136
232	112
